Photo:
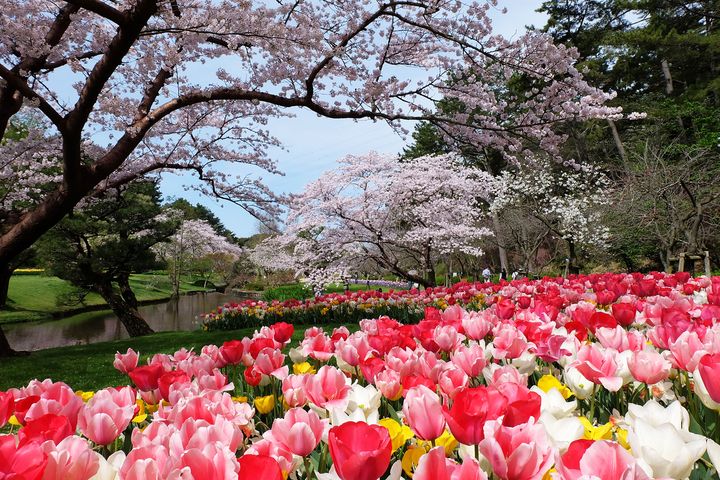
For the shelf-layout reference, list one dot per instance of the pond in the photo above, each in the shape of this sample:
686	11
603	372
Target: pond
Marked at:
92	327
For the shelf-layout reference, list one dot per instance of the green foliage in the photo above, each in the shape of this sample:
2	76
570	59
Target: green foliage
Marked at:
296	291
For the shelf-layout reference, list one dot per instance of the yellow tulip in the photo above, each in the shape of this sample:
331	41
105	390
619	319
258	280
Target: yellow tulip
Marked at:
302	368
411	459
85	395
601	432
240	399
265	404
14	421
399	434
548	382
446	440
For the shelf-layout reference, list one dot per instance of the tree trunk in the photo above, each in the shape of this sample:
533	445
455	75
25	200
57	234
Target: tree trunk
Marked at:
135	325
573	267
618	144
502	253
5	274
127	294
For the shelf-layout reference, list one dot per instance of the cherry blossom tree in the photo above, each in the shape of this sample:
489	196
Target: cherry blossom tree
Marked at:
194	241
125	88
399	216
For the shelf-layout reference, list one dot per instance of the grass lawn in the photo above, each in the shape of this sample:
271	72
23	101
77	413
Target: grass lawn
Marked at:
37	297
89	367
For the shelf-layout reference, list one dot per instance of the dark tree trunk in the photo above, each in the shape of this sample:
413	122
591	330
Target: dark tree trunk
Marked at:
127	294
573	267
135	325
5	274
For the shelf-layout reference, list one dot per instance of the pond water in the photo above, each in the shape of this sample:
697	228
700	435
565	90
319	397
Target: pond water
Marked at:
92	327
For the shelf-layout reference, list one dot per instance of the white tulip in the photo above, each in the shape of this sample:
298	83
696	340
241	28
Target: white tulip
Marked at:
580	386
668	451
553	403
562	431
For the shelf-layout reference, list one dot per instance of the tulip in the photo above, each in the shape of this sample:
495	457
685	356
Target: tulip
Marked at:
265	404
521	452
7	407
423	413
47	427
399	434
471	409
256	467
102	420
434	466
649	367
271	361
389	385
598	459
146	377
72	458
299	431
232	351
624	313
126	362
709	369
293	388
360	451
211	462
282	331
599	366
470	359
175	378
328	388
26	461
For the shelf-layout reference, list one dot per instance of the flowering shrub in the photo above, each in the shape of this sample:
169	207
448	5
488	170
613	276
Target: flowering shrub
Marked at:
597	377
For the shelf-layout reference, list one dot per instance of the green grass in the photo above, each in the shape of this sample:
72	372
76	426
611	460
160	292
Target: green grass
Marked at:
89	367
38	297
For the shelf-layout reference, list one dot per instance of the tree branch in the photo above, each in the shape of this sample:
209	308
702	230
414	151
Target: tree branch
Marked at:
100	8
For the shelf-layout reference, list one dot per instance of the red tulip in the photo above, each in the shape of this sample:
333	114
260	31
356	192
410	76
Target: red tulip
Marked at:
22	461
470	410
624	313
48	427
283	331
7	407
360	451
255	467
709	368
146	377
175	377
232	351
252	376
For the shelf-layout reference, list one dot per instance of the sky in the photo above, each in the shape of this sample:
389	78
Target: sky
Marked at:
312	145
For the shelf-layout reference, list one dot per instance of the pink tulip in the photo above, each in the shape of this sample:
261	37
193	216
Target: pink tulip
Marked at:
72	458
649	367
58	399
471	359
521	452
477	324
328	388
299	431
102	420
126	362
686	351
293	388
273	449
509	342
388	384
599	366
423	413
451	379
447	337
354	349
598	459
434	466
271	361
211	462
146	463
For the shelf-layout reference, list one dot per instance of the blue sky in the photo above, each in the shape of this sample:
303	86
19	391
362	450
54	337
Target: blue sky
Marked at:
312	145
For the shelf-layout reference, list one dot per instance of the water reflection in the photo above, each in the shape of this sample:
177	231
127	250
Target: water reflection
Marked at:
92	327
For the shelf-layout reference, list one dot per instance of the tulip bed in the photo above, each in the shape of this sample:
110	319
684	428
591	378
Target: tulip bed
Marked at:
610	377
406	306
